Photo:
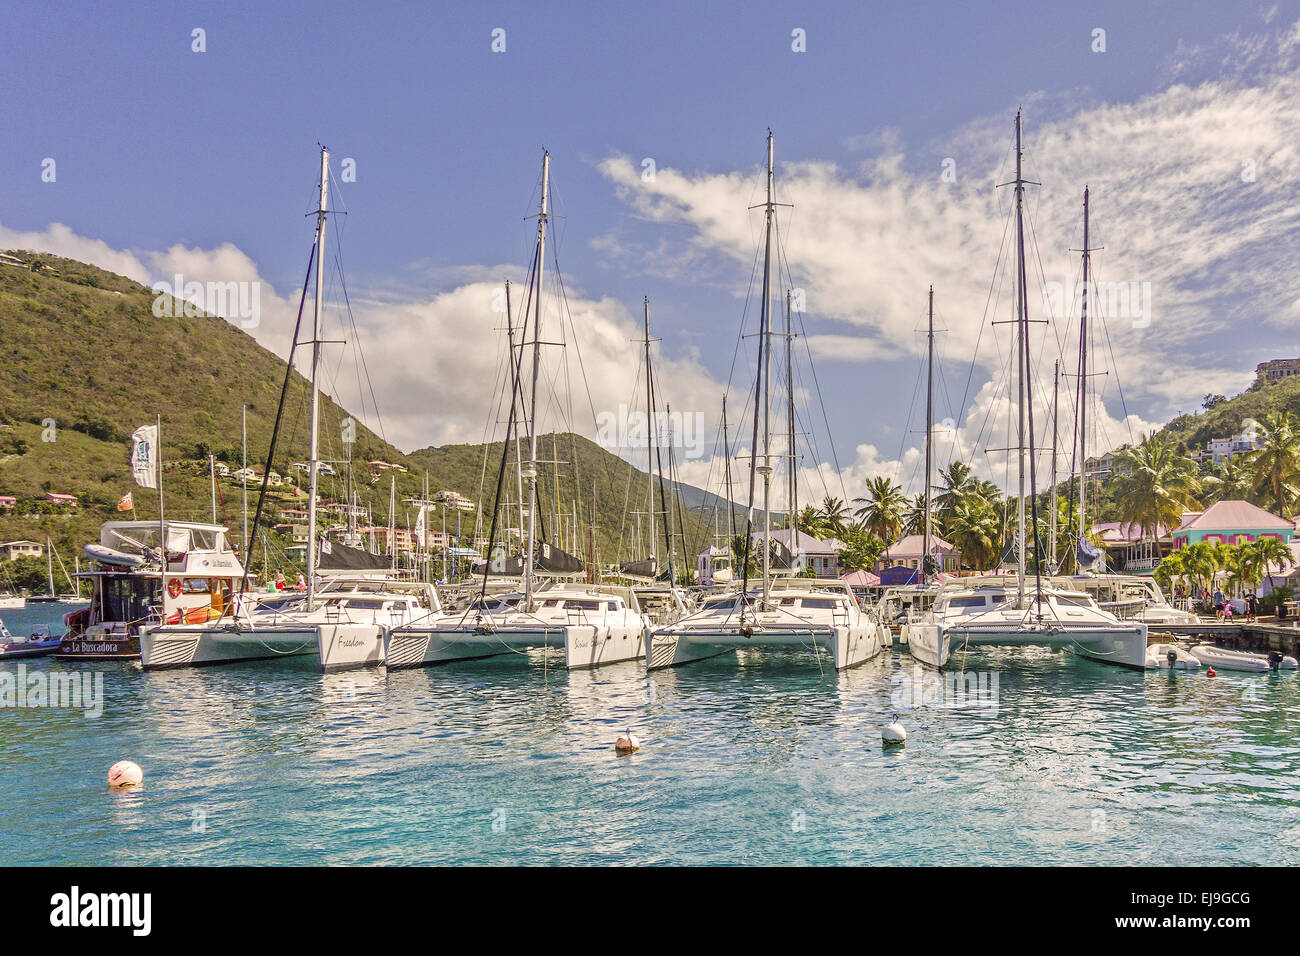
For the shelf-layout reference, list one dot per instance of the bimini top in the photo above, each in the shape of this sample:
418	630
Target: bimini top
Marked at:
182	536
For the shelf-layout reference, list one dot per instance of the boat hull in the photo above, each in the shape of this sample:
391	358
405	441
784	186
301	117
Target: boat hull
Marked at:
122	648
349	646
1126	646
927	643
1224	658
585	645
1158	658
181	646
847	645
28	649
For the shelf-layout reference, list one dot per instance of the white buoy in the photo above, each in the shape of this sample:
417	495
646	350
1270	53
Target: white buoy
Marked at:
627	743
125	773
893	733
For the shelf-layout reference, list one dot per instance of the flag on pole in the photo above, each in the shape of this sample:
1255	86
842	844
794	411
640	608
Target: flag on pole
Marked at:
144	456
126	503
419	528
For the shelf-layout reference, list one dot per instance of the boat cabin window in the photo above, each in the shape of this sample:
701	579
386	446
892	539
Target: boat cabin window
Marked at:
584	605
975	600
1080	601
194	585
127	597
820	603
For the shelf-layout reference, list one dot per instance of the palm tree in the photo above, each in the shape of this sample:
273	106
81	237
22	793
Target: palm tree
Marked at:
881	510
1160	484
1275	465
810	522
913	515
1172	567
1200	561
1270	552
1231	480
834	515
958	484
738	557
973	527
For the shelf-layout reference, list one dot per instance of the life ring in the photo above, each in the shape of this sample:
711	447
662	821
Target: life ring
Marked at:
174	587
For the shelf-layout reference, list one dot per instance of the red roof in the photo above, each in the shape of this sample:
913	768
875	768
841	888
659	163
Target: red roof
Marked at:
860	579
913	545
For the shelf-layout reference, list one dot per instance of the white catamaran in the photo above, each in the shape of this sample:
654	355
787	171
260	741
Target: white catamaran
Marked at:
985	611
339	618
593	624
789	613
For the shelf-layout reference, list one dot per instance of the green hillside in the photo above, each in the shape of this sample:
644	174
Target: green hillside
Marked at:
83	349
1228	417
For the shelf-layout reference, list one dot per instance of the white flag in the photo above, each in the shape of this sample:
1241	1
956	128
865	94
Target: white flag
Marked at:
419	529
144	456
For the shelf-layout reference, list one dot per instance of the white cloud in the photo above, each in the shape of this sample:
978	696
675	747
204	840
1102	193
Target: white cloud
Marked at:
1194	198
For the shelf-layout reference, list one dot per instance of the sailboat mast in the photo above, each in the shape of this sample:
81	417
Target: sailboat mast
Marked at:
162	526
314	445
531	474
392	522
789	391
1021	358
1083	377
514	386
672	500
765	330
929	432
651	437
1056	383
726	456
243	429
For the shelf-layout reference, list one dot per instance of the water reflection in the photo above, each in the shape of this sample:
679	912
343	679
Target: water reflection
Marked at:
745	758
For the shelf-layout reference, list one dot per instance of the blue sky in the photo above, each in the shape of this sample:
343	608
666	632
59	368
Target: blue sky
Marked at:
159	147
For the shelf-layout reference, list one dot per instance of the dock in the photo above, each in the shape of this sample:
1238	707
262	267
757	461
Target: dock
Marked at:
1243	636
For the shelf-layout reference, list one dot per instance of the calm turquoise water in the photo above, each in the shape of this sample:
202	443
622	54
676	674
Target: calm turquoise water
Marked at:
505	762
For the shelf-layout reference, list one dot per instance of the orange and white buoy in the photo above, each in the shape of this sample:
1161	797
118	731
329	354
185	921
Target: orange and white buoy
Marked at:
628	743
125	773
1211	672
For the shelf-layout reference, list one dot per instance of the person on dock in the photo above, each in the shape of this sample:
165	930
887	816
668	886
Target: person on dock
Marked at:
1252	606
1218	602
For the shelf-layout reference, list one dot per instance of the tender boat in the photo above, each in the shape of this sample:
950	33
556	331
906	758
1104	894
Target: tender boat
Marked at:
1170	657
39	644
1223	658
